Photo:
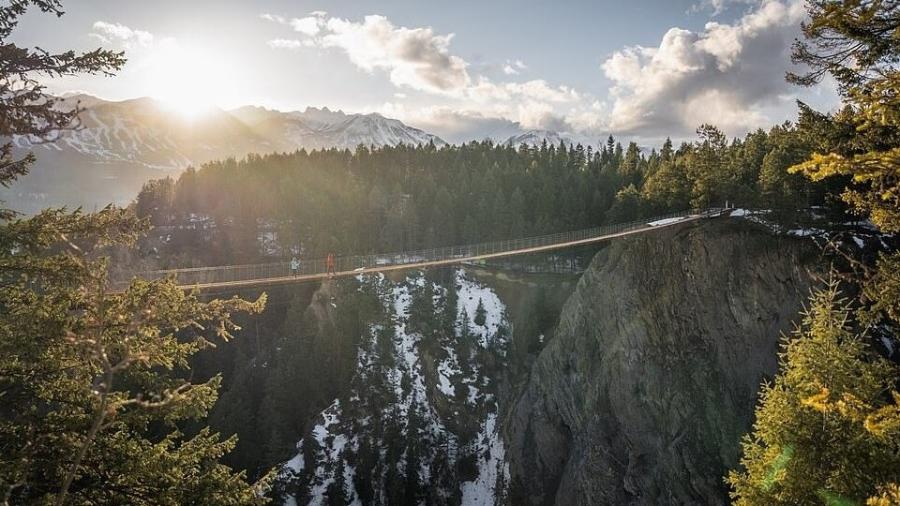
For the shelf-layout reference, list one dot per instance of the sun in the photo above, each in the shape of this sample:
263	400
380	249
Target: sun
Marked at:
190	80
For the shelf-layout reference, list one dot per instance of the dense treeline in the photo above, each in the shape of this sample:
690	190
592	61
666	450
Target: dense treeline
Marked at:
405	197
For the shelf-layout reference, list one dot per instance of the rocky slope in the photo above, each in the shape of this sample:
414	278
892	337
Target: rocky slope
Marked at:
644	392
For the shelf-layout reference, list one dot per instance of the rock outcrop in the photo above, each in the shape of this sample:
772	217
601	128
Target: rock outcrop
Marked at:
652	375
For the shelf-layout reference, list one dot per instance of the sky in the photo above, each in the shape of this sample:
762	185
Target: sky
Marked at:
642	69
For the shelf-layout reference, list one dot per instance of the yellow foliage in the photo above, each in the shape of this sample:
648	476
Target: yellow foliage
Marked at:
889	495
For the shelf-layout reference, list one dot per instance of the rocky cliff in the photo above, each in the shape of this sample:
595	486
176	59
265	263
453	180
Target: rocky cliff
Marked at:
649	383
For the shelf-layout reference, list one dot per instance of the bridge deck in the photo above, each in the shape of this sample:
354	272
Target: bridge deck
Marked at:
288	279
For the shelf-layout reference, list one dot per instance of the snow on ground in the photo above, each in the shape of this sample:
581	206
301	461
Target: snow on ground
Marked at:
492	466
447	369
469	293
297	463
805	232
330	447
406	350
330	434
666	221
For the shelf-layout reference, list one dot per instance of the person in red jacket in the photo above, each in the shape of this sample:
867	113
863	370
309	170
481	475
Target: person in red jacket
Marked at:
329	264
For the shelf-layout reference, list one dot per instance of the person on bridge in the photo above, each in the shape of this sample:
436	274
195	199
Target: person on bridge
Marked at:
295	266
329	264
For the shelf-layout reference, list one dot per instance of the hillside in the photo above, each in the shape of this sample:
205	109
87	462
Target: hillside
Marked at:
120	145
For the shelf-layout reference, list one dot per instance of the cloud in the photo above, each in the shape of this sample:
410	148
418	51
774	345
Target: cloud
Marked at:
114	32
725	74
719	6
531	94
307	26
413	57
286	43
419	59
274	17
458	125
514	68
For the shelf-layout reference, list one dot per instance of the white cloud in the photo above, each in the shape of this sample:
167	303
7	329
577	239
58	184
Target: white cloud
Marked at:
725	74
719	6
274	17
286	43
116	32
308	26
455	124
413	57
419	59
514	68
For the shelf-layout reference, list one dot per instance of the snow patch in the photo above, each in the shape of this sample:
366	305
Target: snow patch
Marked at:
665	221
493	470
470	292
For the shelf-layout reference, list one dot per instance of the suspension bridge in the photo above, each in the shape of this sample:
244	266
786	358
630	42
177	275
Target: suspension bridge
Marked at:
279	273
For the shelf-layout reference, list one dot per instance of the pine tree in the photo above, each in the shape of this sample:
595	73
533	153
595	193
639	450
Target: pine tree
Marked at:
825	431
480	314
828	429
336	493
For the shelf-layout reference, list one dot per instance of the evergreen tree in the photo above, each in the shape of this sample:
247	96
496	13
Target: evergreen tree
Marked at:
90	366
825	431
480	314
828	430
627	206
336	493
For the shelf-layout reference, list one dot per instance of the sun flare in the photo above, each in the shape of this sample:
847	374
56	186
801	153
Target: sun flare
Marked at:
190	80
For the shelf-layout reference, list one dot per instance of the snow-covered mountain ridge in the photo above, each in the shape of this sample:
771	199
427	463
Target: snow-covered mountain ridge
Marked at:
120	145
148	132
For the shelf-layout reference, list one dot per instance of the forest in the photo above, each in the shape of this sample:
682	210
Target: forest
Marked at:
111	396
412	197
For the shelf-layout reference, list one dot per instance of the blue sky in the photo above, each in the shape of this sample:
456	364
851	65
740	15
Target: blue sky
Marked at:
463	69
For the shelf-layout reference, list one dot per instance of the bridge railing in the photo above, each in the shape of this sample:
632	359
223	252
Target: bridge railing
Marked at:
233	273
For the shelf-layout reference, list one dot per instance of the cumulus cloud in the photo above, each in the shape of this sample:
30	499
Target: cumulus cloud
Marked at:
725	74
115	32
416	58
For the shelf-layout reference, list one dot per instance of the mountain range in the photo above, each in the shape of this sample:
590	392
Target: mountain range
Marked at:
120	145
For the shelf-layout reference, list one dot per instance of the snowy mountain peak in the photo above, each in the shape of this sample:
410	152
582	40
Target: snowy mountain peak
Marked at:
536	137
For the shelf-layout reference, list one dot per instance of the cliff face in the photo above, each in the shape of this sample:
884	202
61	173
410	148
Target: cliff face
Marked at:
650	380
